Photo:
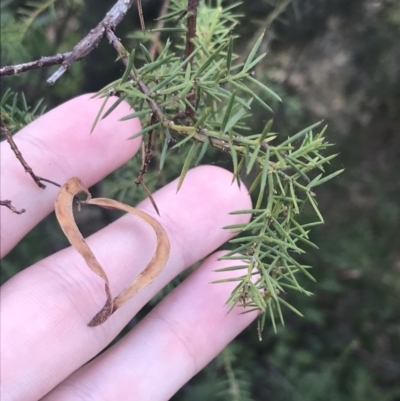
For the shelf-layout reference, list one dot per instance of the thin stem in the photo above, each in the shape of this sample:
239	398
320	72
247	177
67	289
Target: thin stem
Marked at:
264	25
18	154
123	54
191	27
33	65
82	48
158	115
7	203
93	38
140	12
156	45
189	49
147	154
49	181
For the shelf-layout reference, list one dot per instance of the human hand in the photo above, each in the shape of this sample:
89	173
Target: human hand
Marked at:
45	341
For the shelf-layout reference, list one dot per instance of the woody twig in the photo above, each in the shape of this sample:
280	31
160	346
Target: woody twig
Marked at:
19	156
7	203
38	180
81	50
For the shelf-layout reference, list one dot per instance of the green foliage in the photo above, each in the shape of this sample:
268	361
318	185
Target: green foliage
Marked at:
224	380
14	26
301	383
206	101
16	113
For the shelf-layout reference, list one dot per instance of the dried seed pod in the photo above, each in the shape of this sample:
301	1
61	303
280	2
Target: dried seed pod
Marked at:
65	217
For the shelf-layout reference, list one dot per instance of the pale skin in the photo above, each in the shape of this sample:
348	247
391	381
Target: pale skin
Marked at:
45	339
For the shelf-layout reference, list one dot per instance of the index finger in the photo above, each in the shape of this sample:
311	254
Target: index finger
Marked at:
57	146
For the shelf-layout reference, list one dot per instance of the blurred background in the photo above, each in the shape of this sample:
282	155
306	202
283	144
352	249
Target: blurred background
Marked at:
336	60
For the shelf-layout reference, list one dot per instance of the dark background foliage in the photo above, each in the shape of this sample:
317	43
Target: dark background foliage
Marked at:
335	60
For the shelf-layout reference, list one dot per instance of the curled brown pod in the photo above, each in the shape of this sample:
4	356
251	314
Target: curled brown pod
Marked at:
65	217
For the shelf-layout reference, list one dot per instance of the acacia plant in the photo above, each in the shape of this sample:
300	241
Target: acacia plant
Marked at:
193	92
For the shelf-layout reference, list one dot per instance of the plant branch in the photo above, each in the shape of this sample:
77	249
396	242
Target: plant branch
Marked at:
147	150
191	27
156	45
81	50
124	56
93	38
140	12
189	49
265	25
33	65
7	203
18	154
147	153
